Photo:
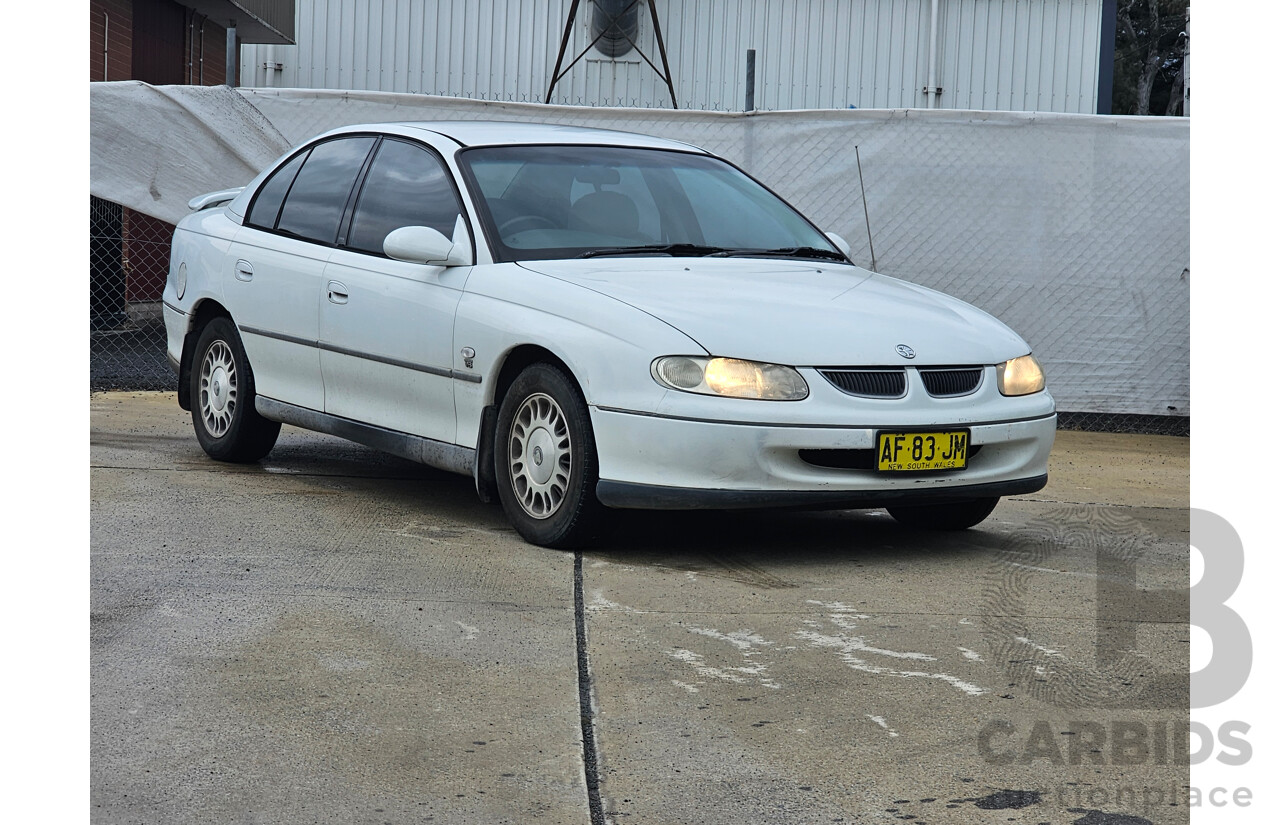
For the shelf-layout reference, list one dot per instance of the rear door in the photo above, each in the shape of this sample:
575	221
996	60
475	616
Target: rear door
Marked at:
386	327
279	255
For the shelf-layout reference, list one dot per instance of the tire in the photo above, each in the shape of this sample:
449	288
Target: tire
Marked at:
956	515
545	460
227	425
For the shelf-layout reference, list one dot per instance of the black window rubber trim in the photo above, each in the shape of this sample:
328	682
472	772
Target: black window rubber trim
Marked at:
254	200
274	230
448	173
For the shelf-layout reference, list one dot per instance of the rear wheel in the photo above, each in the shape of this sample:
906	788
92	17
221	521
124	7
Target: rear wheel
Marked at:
954	515
222	398
545	460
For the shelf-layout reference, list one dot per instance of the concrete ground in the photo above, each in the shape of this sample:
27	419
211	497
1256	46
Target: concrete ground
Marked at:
336	635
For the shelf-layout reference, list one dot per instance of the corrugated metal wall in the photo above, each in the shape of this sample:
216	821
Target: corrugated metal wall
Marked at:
1036	55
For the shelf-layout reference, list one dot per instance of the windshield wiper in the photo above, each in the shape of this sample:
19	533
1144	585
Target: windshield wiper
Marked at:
785	252
673	249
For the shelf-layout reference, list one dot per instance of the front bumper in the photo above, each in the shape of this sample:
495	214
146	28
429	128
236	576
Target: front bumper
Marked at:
656	462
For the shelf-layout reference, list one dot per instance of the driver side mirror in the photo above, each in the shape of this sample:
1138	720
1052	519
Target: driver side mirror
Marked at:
840	243
424	245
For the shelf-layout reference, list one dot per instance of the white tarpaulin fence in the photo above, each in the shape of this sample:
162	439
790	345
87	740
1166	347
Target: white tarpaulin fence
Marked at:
1073	229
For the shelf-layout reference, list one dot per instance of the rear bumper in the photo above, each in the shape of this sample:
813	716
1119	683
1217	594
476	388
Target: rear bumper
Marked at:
655	462
176	326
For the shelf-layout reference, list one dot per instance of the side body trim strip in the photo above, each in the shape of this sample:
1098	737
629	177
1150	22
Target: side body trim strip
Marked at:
427	451
458	375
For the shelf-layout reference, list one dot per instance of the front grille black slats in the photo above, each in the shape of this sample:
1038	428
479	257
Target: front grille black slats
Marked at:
890	382
951	382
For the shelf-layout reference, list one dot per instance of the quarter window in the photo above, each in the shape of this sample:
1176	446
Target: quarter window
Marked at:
406	186
318	198
266	206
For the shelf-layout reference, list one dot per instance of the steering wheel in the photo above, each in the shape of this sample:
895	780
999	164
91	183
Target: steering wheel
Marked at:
525	222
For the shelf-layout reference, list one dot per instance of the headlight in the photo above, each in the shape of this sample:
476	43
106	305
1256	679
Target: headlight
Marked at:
730	377
1020	376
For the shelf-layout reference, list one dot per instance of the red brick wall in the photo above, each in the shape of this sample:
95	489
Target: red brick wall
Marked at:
146	256
175	52
115	19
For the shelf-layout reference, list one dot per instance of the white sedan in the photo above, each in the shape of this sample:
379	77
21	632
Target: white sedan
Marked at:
583	320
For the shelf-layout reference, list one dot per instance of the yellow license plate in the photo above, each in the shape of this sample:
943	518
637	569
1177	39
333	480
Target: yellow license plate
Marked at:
913	452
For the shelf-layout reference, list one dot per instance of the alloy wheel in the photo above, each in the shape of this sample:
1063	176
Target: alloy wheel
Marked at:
540	456
218	388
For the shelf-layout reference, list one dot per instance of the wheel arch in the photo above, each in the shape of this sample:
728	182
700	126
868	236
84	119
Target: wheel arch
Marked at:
202	313
513	362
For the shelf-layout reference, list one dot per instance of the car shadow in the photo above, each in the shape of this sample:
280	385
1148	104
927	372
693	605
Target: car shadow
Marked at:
783	539
718	538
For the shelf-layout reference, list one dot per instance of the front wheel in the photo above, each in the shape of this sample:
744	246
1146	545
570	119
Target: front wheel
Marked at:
545	460
222	398
954	515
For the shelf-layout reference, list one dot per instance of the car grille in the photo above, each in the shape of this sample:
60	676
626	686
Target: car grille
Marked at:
871	383
952	381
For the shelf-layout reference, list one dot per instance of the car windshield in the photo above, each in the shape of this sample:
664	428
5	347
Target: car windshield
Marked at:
540	202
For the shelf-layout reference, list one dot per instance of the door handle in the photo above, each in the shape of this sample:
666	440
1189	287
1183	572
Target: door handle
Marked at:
244	271
337	293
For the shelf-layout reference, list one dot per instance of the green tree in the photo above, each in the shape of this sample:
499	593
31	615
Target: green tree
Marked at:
1150	67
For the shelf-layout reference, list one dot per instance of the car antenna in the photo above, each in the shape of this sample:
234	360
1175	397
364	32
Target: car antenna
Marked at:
865	214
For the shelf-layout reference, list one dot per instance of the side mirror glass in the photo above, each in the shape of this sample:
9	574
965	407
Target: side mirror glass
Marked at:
424	245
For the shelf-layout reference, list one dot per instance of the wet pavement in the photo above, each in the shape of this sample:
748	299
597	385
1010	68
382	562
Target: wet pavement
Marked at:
336	635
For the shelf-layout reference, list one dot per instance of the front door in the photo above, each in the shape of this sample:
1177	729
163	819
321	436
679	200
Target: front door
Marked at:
386	327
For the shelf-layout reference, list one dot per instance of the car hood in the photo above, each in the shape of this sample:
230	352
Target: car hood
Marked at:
796	312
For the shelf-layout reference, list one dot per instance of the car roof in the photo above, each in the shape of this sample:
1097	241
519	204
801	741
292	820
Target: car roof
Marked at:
507	133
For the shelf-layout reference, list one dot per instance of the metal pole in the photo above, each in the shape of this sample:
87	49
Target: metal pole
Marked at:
564	44
233	54
662	50
929	100
750	105
865	213
1186	69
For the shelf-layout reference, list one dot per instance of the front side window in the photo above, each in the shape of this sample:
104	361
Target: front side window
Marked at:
316	201
541	202
406	186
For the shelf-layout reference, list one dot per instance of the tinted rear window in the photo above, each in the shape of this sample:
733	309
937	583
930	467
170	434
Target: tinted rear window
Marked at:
266	206
318	198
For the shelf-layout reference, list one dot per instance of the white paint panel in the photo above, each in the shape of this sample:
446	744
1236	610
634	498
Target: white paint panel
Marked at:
1037	55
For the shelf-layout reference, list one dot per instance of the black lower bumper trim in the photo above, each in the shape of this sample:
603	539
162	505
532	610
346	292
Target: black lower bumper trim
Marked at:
625	496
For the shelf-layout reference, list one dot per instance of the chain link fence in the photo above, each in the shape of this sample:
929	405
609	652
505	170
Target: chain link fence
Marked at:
1125	423
128	264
